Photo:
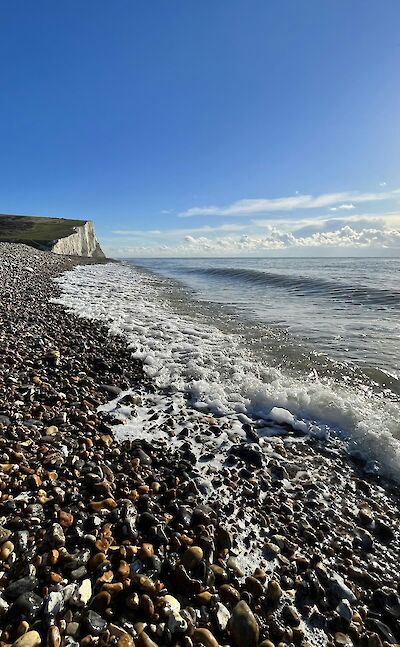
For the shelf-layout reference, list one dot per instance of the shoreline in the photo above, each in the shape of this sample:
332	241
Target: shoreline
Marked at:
111	540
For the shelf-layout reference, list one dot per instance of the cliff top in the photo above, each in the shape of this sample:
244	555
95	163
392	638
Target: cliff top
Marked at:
35	228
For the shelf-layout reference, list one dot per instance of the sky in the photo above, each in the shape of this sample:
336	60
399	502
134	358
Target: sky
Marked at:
206	128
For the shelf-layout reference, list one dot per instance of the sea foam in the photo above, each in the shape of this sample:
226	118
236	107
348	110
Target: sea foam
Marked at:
218	374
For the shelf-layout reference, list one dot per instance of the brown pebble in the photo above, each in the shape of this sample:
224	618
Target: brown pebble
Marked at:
146	551
205	637
229	594
53	637
101	601
191	557
260	575
205	597
55	578
143	640
274	591
244	627
53	556
126	641
123	570
65	519
6	550
254	586
113	589
96	560
36	481
107	577
102	545
104	504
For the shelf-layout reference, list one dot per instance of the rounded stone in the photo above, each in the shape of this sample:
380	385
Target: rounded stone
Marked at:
192	556
244	627
205	637
274	591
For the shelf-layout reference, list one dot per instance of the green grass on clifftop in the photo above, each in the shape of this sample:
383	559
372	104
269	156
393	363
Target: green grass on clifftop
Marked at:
35	228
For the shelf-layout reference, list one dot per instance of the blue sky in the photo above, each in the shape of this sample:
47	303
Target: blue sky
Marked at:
186	127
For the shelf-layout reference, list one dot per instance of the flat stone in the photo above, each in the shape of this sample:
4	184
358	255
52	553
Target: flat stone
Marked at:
15	589
30	639
72	629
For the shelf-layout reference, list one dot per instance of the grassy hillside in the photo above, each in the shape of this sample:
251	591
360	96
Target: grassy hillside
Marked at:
33	229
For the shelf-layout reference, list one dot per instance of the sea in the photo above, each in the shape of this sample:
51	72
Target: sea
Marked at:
310	343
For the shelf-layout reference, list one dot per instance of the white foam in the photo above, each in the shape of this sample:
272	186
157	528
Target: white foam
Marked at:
218	374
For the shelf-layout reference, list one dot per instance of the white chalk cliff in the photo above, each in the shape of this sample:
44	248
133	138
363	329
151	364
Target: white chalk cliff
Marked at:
82	242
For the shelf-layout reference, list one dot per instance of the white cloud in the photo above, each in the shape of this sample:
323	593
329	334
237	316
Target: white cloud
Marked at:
176	232
346	236
345	206
343	238
263	205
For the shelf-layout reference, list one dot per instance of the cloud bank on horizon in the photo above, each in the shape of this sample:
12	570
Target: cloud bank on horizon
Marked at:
329	223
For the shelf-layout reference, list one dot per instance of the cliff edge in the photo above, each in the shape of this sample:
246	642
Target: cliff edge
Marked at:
57	235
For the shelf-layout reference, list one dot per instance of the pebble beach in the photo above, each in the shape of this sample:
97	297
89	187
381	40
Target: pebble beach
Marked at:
164	538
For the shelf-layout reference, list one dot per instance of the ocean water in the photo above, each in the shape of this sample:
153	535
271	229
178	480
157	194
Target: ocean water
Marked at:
345	309
308	342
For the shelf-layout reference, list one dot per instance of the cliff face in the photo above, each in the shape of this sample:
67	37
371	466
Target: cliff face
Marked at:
82	242
57	235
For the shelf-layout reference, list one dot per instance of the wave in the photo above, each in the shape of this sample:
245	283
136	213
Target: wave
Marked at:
213	370
366	295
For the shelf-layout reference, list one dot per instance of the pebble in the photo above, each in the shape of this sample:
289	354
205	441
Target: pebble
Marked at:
204	637
26	607
125	544
244	628
29	639
94	623
56	536
339	590
84	593
274	592
191	557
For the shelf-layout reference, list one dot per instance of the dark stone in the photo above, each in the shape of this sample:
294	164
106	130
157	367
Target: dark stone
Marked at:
25	584
111	389
26	607
94	623
248	454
